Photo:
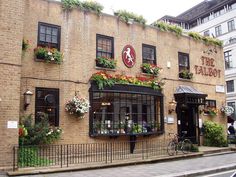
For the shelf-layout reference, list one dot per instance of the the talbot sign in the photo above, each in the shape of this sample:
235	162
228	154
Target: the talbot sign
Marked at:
129	56
207	67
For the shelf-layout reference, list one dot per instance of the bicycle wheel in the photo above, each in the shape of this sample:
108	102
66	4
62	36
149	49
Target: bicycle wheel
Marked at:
186	146
171	148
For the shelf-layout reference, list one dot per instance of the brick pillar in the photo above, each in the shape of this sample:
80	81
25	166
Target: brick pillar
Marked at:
11	35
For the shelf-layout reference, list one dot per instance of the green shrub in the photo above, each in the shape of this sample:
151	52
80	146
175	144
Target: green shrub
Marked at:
86	5
126	16
38	133
214	134
92	6
170	28
194	148
29	157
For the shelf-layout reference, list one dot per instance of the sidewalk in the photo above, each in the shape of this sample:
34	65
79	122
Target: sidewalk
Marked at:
174	168
168	165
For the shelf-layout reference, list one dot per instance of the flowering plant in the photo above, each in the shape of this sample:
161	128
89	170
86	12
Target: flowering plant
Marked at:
103	79
106	62
78	106
48	54
227	110
22	131
151	68
185	74
211	111
53	133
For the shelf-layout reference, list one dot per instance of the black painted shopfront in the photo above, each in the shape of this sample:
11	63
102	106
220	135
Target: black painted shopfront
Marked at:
125	110
188	101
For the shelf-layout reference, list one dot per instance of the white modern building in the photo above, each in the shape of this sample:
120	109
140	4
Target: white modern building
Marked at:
215	18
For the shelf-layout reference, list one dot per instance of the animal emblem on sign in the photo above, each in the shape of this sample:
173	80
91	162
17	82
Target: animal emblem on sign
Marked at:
129	56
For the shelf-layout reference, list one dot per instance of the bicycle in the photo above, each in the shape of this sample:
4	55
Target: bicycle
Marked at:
179	143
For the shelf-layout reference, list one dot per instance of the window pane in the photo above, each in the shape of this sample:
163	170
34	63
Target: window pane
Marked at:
54	31
48	30
42	37
54	39
230	86
48	38
148	54
42	29
104	46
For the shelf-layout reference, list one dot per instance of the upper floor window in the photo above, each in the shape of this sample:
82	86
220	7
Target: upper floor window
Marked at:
230	86
184	65
206	33
47	102
218	30
232	104
228	59
105	46
205	19
231	25
49	35
149	54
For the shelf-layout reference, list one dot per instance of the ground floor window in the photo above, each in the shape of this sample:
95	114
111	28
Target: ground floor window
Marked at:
47	102
117	113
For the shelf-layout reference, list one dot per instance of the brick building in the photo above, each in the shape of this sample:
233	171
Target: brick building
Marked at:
82	37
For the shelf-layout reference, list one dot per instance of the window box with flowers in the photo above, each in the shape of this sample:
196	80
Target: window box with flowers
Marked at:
211	111
104	62
151	69
185	74
77	106
103	79
50	55
227	110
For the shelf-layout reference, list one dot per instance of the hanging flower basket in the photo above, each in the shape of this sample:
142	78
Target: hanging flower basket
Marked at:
227	110
77	106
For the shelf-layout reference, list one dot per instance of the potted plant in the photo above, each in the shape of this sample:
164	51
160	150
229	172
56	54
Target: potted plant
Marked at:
78	106
211	111
106	63
185	74
25	45
151	69
227	110
48	54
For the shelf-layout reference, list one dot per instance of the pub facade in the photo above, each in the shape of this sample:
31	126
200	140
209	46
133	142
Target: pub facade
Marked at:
125	99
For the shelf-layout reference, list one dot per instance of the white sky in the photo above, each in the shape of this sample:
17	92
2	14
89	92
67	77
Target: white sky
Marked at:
151	10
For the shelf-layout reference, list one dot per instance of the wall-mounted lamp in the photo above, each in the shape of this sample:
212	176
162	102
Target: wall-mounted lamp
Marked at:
172	105
27	98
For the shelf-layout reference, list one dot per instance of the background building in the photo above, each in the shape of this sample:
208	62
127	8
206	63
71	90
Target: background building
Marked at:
215	18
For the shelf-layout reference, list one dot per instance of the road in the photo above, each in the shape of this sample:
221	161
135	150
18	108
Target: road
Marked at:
221	174
170	168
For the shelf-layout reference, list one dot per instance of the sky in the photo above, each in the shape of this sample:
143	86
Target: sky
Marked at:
151	10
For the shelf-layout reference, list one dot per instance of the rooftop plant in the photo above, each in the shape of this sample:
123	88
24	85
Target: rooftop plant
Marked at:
166	27
206	39
86	5
126	16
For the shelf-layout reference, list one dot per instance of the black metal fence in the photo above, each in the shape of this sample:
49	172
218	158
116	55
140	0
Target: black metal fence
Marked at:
66	155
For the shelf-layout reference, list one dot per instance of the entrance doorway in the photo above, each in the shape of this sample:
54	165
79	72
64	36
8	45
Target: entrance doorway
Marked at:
188	100
187	116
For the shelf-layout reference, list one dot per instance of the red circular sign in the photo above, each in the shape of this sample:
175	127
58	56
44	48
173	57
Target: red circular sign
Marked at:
129	56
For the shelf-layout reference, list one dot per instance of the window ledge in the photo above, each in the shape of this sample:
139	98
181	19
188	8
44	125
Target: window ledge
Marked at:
45	61
187	80
126	134
107	69
146	74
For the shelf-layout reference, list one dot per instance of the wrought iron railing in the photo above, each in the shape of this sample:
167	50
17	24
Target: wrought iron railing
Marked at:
66	155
